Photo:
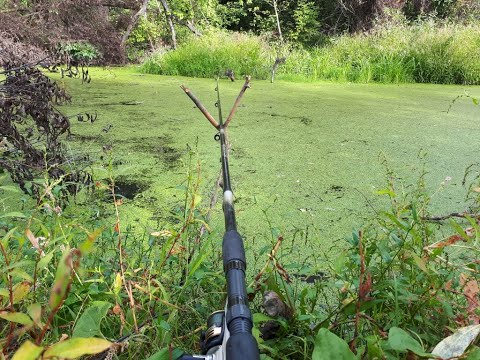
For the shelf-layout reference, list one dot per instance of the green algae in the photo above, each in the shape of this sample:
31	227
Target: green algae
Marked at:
303	154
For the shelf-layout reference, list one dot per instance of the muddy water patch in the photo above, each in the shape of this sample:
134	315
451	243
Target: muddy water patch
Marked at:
161	149
129	188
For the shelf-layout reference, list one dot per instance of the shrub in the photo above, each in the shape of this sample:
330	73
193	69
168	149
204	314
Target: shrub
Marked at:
65	270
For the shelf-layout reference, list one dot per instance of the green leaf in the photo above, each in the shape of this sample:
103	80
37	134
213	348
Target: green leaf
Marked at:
87	245
10	188
28	351
419	262
399	340
117	284
386	192
7	237
164	354
473	354
259	317
329	346
164	325
475	101
16	317
35	312
62	280
42	264
4	292
74	348
339	262
88	325
22	274
15	214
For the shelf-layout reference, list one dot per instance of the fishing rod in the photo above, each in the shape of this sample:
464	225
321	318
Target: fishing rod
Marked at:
229	332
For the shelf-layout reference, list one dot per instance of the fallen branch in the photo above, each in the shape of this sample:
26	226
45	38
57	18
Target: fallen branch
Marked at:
451	215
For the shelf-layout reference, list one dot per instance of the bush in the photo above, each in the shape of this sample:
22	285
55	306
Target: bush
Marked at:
65	269
424	53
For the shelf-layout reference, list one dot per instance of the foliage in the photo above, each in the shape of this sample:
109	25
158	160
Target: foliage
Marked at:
32	129
398	288
127	278
78	52
152	287
52	24
212	55
394	52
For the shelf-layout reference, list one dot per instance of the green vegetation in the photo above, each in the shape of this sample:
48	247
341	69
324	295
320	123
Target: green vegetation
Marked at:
394	52
79	52
310	172
358	198
212	55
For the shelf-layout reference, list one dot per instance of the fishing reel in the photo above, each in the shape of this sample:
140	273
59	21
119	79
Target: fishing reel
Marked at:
213	341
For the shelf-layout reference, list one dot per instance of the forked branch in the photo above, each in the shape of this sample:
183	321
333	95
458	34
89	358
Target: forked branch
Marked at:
205	112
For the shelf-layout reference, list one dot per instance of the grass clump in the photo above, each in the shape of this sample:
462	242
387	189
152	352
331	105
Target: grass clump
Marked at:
425	52
212	55
393	52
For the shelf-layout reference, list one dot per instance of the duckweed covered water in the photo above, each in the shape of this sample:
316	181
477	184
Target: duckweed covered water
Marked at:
303	154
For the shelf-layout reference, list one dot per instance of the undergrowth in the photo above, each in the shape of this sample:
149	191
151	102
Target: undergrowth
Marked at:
395	288
212	55
80	273
393	52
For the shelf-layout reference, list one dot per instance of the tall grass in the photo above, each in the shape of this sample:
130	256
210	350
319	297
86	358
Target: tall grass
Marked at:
211	55
424	52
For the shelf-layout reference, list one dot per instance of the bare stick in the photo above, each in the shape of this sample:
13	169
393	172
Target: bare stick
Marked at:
201	107
445	217
239	98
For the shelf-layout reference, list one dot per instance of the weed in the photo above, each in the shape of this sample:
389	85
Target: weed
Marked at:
89	265
424	52
406	278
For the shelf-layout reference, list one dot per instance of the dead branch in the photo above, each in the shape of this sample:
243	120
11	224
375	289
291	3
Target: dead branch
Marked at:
451	215
133	22
169	17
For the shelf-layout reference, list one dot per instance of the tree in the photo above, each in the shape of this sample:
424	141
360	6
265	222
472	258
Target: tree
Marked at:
30	124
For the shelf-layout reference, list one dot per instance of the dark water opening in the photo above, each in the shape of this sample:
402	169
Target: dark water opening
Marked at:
129	188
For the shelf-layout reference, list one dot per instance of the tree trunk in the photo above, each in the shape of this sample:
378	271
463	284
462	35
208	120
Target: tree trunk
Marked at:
278	20
169	16
133	22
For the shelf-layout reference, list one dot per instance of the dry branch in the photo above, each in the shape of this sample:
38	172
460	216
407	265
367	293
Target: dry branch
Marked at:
451	215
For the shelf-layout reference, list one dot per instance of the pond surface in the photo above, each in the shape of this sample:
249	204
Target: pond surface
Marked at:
303	154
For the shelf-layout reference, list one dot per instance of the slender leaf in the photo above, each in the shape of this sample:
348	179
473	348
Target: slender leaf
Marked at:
20	291
16	317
